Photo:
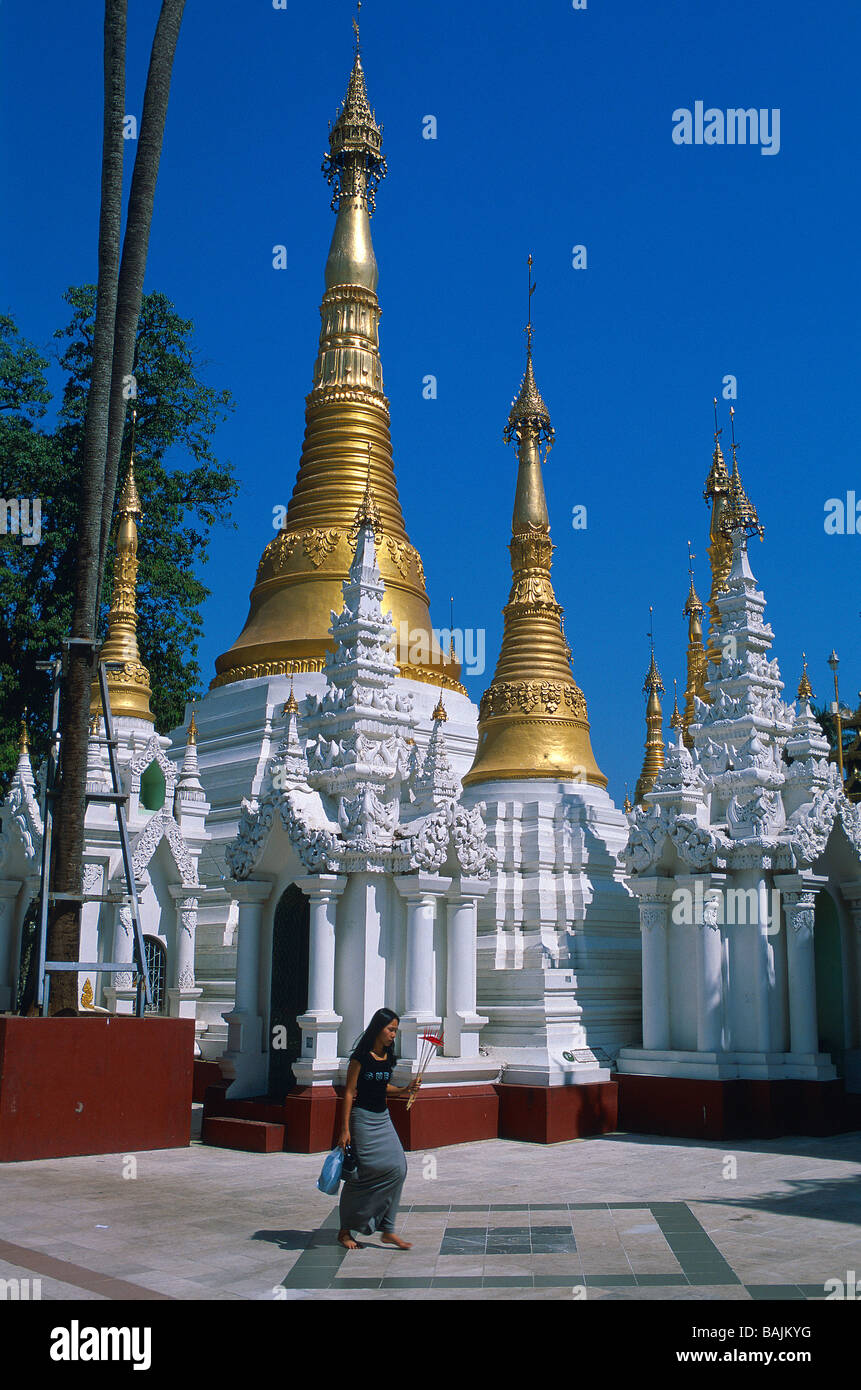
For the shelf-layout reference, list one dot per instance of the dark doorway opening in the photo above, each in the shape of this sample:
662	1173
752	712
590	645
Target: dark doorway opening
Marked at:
289	994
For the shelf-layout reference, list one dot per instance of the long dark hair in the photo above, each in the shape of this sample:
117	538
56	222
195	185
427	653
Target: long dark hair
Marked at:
382	1018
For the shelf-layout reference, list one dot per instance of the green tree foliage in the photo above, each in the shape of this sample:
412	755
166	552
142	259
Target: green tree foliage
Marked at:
184	489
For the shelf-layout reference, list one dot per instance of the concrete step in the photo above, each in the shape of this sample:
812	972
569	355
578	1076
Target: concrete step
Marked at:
253	1136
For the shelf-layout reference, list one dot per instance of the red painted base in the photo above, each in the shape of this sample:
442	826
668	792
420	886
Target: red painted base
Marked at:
693	1109
443	1115
552	1114
253	1136
447	1115
104	1084
205	1074
311	1117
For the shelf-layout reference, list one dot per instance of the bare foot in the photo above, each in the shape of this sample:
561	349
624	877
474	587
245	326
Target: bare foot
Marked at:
389	1238
345	1239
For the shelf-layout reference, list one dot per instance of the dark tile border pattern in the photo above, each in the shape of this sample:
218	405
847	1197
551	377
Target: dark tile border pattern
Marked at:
700	1262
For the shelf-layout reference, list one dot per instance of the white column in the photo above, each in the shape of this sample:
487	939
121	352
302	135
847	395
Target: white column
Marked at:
798	897
422	894
244	1061
462	1022
655	895
709	958
121	989
182	994
9	942
319	1060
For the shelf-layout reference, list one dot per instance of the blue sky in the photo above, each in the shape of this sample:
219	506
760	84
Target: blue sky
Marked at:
554	130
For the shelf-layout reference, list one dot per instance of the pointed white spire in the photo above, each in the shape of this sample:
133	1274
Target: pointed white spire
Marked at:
357	750
437	783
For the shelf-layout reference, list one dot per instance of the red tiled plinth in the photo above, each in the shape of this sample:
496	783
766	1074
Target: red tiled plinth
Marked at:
447	1115
104	1084
736	1109
552	1114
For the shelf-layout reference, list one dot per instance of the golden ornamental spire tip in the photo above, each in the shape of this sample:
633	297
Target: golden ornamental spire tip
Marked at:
528	408
368	513
676	718
805	689
291	705
740	513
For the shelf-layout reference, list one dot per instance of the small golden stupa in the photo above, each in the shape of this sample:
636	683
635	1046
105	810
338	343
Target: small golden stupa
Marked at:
533	720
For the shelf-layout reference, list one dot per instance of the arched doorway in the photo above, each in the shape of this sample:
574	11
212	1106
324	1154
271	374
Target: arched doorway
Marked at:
289	993
828	955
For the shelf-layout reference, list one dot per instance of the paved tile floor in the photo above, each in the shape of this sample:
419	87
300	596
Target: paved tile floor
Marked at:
614	1217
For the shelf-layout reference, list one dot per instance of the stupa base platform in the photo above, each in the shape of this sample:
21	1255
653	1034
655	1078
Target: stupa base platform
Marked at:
741	1108
554	1114
442	1115
94	1085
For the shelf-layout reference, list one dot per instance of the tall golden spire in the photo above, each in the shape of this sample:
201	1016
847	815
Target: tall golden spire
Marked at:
301	571
654	758
695	686
129	686
532	719
716	492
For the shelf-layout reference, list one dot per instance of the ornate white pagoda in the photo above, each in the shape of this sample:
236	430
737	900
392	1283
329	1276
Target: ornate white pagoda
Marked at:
367	835
746	860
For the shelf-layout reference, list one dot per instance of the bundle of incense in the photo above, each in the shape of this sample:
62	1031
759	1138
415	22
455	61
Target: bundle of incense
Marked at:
430	1043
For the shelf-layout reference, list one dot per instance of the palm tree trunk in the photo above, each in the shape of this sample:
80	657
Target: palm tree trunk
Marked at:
117	313
136	243
64	920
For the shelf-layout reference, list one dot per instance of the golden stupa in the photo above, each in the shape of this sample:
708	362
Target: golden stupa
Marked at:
653	760
301	572
128	685
532	719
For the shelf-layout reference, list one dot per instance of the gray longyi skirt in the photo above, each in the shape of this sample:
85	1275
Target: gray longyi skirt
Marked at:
370	1197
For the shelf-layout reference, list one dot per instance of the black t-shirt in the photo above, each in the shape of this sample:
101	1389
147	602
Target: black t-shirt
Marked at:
374	1077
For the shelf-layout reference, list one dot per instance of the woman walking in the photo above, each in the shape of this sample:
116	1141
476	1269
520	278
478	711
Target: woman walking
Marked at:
371	1195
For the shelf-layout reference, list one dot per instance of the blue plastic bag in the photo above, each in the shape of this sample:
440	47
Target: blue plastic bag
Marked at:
330	1176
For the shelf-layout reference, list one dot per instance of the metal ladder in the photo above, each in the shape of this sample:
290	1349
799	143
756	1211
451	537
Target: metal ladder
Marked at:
117	798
